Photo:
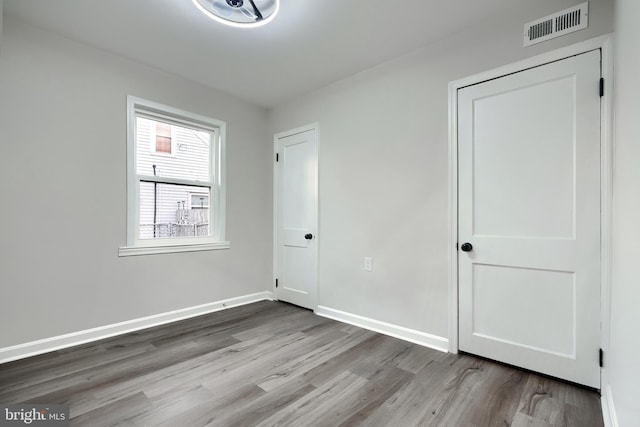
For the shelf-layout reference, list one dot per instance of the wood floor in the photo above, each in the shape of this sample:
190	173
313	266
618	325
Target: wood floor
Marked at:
271	363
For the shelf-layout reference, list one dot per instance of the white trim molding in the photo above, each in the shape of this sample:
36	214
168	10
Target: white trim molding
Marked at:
411	335
46	345
295	131
608	409
170	249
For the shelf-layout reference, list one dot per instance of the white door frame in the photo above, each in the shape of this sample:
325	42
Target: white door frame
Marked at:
604	43
276	137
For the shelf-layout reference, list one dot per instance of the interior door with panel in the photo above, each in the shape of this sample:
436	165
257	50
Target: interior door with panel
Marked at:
297	218
529	218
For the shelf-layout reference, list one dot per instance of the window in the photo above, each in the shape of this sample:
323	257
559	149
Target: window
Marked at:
164	138
199	201
175	180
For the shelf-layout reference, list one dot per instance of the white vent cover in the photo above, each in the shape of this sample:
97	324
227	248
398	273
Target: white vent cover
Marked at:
556	25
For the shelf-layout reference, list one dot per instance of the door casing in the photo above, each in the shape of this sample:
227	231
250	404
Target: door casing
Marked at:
604	43
276	137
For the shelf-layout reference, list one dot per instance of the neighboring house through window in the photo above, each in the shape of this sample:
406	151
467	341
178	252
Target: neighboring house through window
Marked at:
175	182
199	201
163	138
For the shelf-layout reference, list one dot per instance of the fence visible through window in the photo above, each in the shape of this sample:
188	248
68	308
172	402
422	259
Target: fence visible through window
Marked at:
151	231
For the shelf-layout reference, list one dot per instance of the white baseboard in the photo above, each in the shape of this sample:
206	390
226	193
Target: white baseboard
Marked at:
46	345
608	408
411	335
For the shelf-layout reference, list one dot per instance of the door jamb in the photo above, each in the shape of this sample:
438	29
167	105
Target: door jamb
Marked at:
276	137
604	43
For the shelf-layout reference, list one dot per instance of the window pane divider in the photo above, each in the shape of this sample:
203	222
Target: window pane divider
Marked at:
175	181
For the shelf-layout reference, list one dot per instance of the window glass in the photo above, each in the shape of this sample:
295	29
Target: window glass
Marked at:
192	157
165	211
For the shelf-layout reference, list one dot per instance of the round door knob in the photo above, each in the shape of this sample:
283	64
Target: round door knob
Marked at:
466	247
308	236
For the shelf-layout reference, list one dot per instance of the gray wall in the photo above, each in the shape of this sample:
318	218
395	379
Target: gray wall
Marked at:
384	167
63	192
622	362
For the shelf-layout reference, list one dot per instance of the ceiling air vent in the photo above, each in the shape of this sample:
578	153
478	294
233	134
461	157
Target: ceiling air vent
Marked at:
556	25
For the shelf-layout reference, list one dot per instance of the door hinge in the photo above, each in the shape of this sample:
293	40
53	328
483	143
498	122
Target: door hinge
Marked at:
276	283
456	246
601	86
601	358
277	157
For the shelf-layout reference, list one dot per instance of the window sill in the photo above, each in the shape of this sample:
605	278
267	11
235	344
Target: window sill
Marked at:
170	249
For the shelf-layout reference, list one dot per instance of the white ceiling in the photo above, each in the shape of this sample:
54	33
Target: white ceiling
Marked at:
310	44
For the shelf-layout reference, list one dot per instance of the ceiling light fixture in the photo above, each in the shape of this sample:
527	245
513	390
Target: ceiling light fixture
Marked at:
240	13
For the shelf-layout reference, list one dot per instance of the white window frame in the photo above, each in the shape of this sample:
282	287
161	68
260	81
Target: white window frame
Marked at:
217	199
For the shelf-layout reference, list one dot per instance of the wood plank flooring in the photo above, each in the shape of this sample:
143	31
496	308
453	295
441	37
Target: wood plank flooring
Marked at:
271	363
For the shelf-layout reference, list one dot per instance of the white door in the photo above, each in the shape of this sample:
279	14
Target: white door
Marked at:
529	205
296	181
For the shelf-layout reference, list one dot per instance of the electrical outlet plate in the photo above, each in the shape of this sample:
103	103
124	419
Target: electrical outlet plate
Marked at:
368	263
